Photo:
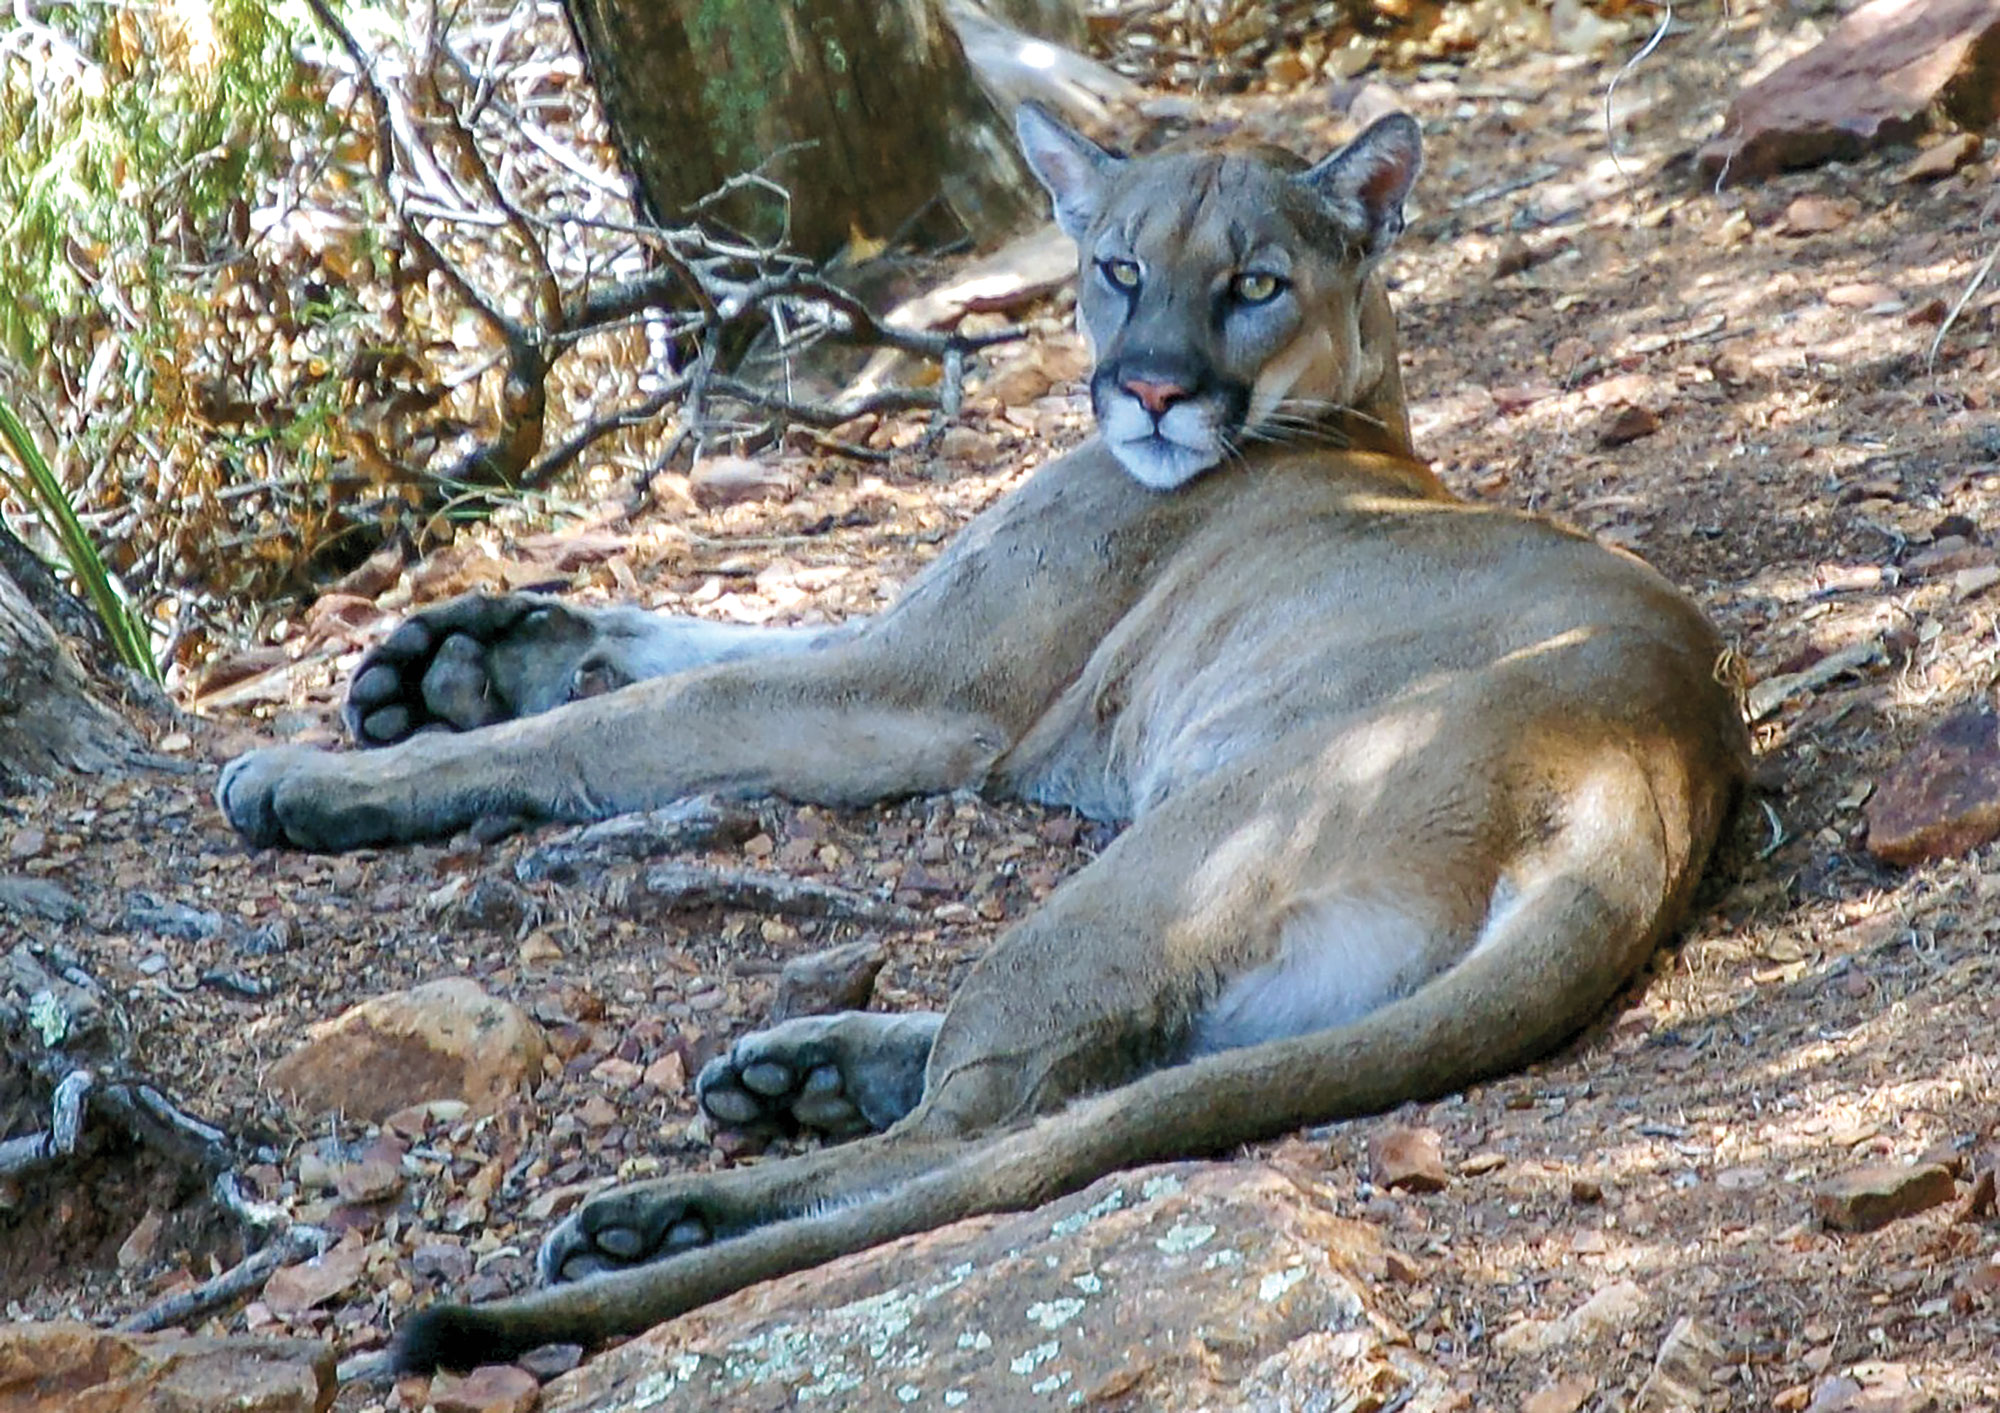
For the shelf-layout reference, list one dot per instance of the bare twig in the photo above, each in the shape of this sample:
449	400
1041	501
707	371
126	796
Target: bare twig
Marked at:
680	885
296	1243
1958	306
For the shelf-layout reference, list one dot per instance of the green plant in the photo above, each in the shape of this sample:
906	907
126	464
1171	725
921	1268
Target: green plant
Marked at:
34	483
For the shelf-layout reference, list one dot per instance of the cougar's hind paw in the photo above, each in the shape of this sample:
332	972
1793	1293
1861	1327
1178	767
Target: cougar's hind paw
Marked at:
841	1075
626	1226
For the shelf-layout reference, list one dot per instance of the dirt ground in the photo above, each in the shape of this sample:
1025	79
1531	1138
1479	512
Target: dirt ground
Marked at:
1799	456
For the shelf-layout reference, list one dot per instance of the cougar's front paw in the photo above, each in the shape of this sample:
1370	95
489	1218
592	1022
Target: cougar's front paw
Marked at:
628	1226
284	795
474	661
840	1075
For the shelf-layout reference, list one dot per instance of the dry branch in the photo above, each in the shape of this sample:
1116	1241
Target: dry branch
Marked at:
54	1028
678	885
712	290
296	1243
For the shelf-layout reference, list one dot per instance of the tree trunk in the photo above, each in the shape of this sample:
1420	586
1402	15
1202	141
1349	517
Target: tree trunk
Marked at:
902	142
50	723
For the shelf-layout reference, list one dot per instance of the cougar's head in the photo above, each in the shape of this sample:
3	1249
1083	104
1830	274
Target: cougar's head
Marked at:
1231	294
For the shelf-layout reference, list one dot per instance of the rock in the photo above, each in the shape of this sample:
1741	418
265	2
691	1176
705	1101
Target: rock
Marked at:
1562	1396
1170	1288
1606	1312
551	1360
1816	215
1943	797
496	1388
293	1289
1870	82
137	1248
1683	1372
1408	1158
1979	1199
1873	1387
443	1040
1942	159
1880	1193
376	1177
63	1367
735	480
1627	424
37	897
837	979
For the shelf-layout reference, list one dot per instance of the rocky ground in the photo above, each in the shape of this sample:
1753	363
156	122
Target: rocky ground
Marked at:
1739	385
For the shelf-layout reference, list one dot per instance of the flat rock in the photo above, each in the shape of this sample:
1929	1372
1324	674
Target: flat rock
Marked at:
1683	1376
1408	1158
1942	159
837	979
66	1367
1943	797
1170	1288
1870	82
443	1040
1880	1193
497	1388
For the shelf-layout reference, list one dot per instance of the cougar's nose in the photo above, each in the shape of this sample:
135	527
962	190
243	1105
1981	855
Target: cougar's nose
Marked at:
1155	397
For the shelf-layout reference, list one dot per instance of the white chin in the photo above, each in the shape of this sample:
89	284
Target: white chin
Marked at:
1161	465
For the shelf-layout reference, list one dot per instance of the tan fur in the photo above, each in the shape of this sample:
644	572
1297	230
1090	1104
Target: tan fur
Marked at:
1361	730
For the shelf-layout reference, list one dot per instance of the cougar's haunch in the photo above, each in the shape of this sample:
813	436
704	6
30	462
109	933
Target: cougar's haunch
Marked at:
1413	786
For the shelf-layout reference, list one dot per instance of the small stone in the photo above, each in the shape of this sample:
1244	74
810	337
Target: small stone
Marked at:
1683	1373
38	897
493	1388
375	1178
1627	424
668	1074
1816	215
551	1360
1410	1159
736	480
960	443
443	1040
1873	1387
1942	159
445	1262
1480	1164
836	979
292	1290
27	843
1867	296
1879	1193
1609	1310
1943	797
1979	1198
1973	581
137	1249
615	1073
61	1366
538	947
1563	1396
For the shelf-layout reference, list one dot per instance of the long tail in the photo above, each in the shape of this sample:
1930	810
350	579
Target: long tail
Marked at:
1550	967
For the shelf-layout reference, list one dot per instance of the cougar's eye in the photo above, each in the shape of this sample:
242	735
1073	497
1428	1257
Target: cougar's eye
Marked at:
1123	274
1255	287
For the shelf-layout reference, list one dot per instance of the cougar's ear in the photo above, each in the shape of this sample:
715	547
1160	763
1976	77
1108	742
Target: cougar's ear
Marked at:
1070	165
1363	184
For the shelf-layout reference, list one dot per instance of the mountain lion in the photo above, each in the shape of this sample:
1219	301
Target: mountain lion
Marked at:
1412	787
